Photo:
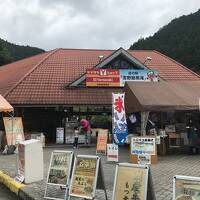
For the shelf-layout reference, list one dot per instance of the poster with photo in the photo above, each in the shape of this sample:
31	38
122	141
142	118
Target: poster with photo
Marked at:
60	167
186	188
143	146
84	177
130	182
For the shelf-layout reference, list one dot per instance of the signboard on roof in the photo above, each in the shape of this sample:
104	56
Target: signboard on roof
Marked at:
118	77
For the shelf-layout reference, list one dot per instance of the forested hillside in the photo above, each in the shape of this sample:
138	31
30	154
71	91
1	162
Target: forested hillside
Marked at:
180	39
11	52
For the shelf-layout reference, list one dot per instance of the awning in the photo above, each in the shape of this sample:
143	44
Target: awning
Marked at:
162	96
4	105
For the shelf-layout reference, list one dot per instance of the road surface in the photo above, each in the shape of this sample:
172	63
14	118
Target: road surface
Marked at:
5	194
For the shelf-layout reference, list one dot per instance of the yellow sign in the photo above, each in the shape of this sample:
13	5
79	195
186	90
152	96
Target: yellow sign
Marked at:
84	177
130	182
14	130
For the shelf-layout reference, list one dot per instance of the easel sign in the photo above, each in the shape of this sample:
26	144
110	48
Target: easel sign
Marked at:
186	187
130	182
112	152
86	171
59	174
102	141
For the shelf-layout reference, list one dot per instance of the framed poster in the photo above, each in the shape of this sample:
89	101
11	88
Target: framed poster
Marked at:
112	152
186	188
143	146
59	170
102	141
130	182
14	130
84	177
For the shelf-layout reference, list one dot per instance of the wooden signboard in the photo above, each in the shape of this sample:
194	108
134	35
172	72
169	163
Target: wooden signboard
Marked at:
102	141
86	177
186	188
14	130
133	182
59	173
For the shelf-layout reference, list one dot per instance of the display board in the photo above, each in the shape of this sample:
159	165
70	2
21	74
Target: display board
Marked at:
144	159
186	188
112	152
14	130
86	171
143	146
130	182
59	171
102	141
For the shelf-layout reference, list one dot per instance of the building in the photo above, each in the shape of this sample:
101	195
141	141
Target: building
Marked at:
47	88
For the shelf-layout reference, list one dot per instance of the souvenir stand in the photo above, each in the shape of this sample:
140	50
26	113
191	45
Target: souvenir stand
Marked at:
162	98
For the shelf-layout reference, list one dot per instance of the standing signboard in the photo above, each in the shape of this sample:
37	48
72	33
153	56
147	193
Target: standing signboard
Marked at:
59	135
86	177
58	174
14	130
112	153
186	187
130	182
143	146
144	159
102	141
120	128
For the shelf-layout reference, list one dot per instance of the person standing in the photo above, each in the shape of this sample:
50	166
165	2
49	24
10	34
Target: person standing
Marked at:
87	131
76	133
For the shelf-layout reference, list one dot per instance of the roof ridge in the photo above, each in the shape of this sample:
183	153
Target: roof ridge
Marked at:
87	49
178	63
30	71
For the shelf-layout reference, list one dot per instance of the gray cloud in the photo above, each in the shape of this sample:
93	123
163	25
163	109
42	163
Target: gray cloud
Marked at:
87	23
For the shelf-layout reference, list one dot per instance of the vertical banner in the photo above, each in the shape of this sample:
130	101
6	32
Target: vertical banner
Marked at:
120	129
102	141
112	153
14	130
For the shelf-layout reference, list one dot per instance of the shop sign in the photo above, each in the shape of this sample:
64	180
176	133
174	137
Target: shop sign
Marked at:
84	177
131	182
143	146
14	130
119	124
59	171
59	135
186	187
144	159
112	153
102	141
118	77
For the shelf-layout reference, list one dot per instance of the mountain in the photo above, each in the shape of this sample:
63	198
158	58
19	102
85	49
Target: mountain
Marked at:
11	52
180	39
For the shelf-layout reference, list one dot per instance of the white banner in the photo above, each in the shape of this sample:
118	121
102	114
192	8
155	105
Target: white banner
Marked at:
112	152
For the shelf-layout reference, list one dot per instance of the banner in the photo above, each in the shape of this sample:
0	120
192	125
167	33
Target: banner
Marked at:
14	130
120	129
186	188
118	77
143	146
84	177
130	182
112	152
102	141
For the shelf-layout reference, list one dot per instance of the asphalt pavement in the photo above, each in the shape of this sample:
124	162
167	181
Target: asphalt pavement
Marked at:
5	194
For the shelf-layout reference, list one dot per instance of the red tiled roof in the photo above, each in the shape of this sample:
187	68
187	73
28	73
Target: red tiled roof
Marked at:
41	79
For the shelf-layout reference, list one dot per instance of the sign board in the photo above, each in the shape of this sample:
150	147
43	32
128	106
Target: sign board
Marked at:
112	152
130	182
143	146
102	141
118	77
144	159
59	170
119	123
14	130
59	135
186	187
84	177
21	160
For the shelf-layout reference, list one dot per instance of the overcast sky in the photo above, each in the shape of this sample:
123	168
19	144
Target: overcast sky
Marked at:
107	24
